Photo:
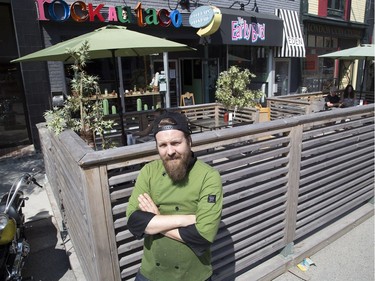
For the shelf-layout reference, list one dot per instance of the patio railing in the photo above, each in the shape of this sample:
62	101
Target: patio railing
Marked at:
298	104
283	181
138	120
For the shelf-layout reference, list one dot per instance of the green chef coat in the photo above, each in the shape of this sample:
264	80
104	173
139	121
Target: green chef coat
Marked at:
165	259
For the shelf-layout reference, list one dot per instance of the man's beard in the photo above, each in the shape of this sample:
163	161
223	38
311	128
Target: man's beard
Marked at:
177	166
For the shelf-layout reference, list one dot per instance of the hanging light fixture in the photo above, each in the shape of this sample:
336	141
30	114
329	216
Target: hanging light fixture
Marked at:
185	4
255	7
242	5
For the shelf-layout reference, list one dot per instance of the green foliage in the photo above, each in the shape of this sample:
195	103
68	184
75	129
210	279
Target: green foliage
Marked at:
82	84
232	88
59	119
79	112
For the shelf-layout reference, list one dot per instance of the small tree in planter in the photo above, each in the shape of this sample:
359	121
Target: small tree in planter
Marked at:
232	89
80	112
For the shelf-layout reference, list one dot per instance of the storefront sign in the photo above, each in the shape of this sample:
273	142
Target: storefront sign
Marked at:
295	41
241	30
248	28
79	11
201	16
336	31
207	19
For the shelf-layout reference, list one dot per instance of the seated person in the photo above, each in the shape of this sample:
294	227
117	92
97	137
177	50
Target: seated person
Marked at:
332	100
148	130
349	97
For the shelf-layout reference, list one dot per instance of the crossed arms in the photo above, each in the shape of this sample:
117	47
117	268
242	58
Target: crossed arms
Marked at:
168	225
148	220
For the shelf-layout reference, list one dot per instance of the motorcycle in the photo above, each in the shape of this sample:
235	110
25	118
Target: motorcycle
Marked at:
14	247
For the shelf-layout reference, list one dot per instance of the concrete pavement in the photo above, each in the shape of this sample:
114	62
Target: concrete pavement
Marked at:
349	258
48	259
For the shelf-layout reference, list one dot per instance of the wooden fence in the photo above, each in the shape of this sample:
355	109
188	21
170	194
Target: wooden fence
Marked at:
283	180
139	120
299	104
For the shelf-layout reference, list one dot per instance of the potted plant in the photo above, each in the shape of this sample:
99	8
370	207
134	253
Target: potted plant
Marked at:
83	110
232	89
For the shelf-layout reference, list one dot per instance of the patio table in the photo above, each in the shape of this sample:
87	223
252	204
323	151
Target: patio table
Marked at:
212	123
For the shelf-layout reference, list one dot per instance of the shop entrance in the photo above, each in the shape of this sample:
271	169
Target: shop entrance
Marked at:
192	78
199	77
282	74
158	66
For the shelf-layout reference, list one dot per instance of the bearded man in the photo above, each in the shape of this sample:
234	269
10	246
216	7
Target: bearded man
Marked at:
176	207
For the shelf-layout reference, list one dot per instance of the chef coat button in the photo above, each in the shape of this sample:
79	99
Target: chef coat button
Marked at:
157	264
177	208
176	267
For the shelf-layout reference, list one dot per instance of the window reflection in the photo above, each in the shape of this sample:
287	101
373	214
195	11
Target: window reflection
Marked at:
252	58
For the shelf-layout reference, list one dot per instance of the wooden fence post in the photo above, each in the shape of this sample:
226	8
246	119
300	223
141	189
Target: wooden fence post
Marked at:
98	202
293	188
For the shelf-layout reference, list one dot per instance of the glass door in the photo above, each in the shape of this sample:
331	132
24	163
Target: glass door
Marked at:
282	73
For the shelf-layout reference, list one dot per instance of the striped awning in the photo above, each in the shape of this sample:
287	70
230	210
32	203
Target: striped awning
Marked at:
293	45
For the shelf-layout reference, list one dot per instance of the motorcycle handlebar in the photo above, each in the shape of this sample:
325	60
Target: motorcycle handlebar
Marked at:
31	179
27	179
36	183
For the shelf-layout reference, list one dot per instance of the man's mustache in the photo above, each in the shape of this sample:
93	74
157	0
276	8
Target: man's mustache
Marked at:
173	158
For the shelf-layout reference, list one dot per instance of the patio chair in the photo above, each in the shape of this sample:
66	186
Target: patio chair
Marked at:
187	99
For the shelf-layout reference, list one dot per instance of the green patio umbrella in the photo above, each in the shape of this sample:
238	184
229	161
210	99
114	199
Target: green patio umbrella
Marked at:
362	52
108	42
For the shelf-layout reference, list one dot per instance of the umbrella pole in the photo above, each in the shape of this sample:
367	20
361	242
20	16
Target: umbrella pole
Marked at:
119	68
120	113
363	78
166	73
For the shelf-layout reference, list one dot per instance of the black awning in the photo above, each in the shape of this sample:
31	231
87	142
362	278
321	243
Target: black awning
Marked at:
248	28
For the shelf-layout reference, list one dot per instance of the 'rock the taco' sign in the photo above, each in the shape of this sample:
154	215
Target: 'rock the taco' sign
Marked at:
79	11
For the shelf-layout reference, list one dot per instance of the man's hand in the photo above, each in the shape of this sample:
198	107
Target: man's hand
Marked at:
146	204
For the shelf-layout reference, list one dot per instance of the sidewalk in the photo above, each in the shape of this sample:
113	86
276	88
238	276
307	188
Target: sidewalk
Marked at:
349	258
48	259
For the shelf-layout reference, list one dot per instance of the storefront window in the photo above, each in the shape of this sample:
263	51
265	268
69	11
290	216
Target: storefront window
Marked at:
311	41
335	8
327	66
327	42
335	4
318	73
334	43
13	125
253	58
319	41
